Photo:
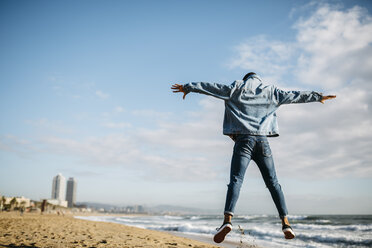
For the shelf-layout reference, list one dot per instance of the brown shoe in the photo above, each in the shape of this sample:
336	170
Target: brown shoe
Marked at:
288	232
222	232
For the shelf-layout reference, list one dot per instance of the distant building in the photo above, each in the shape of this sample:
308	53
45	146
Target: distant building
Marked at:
19	201
57	202
139	209
59	187
71	192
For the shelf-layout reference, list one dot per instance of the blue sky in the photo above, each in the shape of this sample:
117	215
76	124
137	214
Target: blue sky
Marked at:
85	91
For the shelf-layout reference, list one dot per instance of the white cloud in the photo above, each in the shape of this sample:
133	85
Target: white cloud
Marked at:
102	95
168	151
333	139
119	109
335	46
259	54
24	148
47	124
332	52
332	48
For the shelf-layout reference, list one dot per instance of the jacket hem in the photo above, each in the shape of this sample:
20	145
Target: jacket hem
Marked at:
268	134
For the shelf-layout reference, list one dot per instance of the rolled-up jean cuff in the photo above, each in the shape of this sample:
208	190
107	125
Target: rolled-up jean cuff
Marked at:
282	216
230	213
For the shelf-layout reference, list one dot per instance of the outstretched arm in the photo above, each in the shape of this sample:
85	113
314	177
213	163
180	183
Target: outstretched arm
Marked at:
288	97
220	91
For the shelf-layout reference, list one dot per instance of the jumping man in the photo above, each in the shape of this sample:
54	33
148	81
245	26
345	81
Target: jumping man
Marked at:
249	119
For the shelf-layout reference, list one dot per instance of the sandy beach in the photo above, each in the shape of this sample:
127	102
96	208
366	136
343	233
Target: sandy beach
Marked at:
51	230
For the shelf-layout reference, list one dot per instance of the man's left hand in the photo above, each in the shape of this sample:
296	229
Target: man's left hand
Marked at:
327	98
178	88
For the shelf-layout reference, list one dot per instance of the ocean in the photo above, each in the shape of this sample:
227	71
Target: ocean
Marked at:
316	231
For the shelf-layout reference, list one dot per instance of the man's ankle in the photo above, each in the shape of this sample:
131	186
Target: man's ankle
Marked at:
227	218
285	221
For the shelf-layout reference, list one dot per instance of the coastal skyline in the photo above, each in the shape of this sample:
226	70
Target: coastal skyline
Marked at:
85	91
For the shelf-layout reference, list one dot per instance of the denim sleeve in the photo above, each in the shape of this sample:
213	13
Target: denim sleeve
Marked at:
287	97
220	91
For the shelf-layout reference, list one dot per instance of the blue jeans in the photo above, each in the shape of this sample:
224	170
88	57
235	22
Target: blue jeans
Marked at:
257	148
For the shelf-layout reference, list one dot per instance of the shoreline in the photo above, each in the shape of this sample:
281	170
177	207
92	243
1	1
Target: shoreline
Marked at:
224	244
193	236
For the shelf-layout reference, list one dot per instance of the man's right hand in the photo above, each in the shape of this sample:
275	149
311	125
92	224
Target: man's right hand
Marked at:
327	98
178	88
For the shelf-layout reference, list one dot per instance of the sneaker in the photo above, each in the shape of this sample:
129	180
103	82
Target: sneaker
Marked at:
222	232
288	232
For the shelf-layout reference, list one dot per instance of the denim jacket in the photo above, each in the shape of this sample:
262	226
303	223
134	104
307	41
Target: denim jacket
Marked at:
250	106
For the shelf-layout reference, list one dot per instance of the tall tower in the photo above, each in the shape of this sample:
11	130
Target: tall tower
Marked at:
71	192
59	187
